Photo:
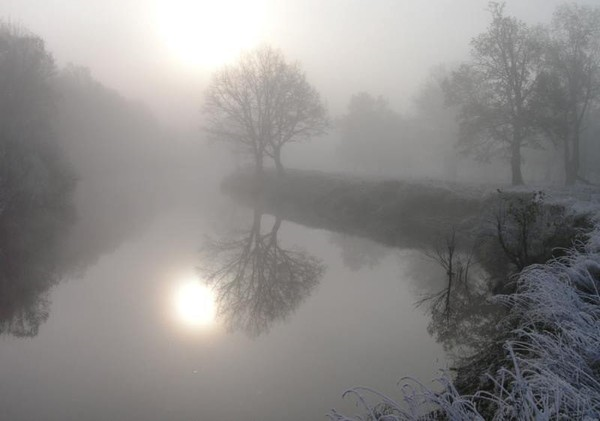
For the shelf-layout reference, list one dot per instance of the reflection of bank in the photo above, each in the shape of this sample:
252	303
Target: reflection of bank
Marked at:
32	260
258	282
464	317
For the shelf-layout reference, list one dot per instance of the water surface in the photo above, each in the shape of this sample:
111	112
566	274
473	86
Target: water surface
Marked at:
114	346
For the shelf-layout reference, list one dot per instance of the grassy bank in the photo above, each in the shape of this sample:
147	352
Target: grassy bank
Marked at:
395	213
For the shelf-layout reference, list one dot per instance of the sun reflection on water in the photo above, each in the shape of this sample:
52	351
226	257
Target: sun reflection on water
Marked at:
195	304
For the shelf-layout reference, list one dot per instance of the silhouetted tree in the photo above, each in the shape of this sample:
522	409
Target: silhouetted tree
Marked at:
256	280
261	103
495	90
571	82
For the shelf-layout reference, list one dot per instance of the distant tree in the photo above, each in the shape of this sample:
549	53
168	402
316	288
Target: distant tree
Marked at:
261	103
571	80
589	153
495	91
435	129
370	133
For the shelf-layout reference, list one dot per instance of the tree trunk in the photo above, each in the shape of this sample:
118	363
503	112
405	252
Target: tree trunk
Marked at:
275	228
515	163
278	164
575	155
571	158
569	175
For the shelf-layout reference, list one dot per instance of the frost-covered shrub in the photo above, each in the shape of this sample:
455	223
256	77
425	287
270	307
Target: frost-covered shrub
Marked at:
552	354
529	230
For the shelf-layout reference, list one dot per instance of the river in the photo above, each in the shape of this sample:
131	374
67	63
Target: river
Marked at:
117	346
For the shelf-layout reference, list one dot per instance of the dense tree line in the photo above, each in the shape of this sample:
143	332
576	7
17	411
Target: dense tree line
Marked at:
524	87
81	170
377	139
122	157
36	182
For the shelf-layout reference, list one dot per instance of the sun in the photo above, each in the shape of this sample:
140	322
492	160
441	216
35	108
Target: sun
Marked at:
195	303
209	33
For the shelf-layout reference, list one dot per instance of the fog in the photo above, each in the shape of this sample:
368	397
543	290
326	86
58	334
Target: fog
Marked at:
320	228
382	47
162	55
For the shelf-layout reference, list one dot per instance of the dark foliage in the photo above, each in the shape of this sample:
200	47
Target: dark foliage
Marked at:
36	183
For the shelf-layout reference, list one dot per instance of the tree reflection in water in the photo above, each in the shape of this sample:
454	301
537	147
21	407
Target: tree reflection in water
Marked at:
23	308
256	281
32	260
463	319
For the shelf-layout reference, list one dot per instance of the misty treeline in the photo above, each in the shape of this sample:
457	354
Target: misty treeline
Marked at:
524	87
376	139
36	183
80	168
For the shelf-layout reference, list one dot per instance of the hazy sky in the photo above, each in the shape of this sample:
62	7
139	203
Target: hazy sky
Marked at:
162	52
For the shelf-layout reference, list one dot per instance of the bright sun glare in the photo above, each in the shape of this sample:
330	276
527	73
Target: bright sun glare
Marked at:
195	304
209	33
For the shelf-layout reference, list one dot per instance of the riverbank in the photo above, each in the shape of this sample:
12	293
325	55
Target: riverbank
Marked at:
546	363
394	213
423	215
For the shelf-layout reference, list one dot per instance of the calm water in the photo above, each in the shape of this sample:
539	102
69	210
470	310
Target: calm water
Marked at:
115	347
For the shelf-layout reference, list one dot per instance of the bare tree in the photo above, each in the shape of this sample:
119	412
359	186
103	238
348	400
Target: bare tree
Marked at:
495	90
262	103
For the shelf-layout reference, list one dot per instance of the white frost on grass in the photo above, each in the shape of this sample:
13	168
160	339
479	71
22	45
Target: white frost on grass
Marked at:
553	350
